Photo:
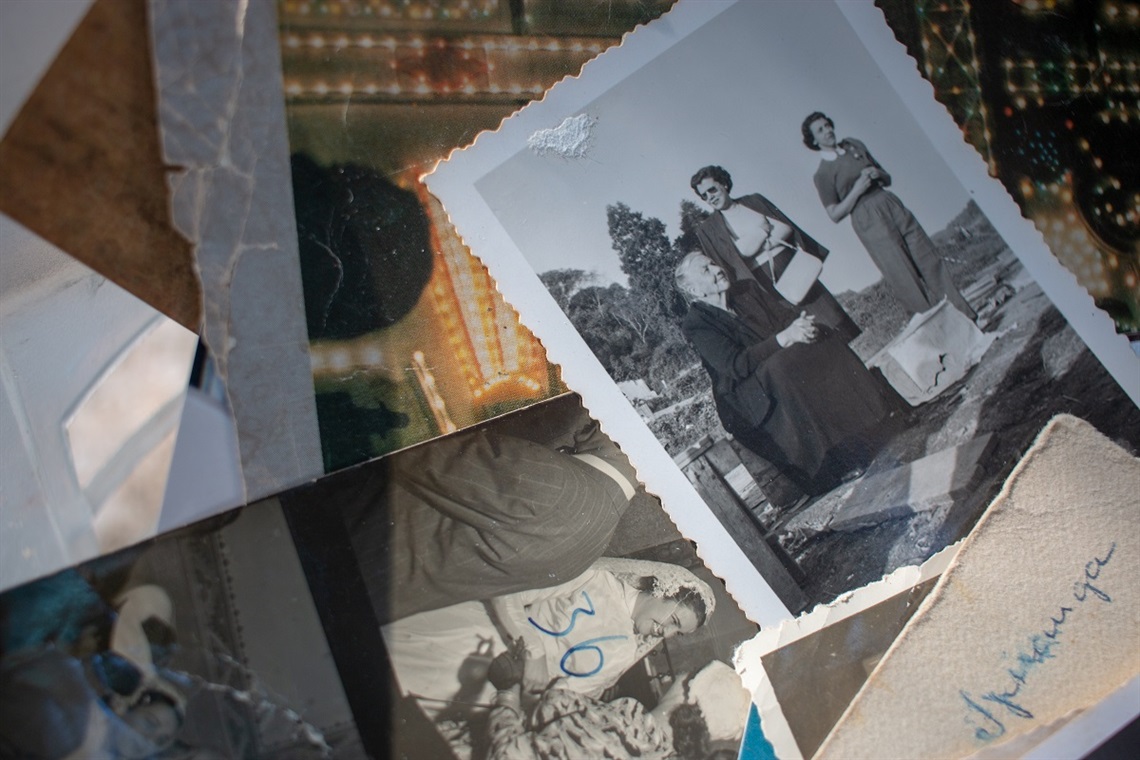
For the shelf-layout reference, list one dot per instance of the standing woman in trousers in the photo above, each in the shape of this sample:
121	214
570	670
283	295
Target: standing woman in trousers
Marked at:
851	183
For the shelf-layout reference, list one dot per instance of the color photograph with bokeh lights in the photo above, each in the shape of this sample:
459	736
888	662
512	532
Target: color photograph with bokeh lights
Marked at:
1049	92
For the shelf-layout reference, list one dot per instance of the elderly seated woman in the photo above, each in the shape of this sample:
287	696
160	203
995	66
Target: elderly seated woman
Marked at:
785	384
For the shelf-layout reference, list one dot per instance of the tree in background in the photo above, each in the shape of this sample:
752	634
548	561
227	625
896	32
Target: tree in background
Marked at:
691	217
646	255
634	330
564	283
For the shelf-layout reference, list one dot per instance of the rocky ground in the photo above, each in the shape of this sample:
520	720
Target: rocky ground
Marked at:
1036	368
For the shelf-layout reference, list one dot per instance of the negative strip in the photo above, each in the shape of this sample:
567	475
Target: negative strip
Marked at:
1033	651
767	260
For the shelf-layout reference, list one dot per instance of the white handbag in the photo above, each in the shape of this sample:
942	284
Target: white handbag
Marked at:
798	276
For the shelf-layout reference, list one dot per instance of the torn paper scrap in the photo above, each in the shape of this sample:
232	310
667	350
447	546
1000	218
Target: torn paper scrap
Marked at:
222	121
803	673
1036	617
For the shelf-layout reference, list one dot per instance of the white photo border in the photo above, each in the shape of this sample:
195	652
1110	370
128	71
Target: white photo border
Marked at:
454	182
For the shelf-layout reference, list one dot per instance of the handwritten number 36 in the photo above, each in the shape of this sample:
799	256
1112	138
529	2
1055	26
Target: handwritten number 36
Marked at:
584	646
573	618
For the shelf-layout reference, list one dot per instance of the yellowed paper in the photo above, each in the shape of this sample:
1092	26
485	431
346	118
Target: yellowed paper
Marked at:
803	673
1036	618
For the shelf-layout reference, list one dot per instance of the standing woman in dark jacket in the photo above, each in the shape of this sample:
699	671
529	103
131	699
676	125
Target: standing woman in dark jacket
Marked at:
748	237
785	385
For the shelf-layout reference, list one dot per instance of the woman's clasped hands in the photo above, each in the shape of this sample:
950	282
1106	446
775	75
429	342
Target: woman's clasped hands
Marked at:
802	330
867	178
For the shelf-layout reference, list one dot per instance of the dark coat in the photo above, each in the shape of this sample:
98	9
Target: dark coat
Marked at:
478	514
806	408
717	242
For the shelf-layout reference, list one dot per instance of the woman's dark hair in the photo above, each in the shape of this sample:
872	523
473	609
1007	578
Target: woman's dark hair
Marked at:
686	596
716	173
813	117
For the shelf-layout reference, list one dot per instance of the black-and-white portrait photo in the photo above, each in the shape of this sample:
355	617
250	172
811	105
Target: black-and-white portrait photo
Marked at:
762	248
512	592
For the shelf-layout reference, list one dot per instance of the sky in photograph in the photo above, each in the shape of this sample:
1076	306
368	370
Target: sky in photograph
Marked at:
733	93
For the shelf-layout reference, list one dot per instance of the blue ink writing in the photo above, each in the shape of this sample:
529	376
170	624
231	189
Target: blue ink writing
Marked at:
1083	589
986	712
588	645
573	618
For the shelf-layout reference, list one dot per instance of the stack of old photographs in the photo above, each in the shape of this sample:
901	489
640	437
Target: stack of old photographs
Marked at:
642	427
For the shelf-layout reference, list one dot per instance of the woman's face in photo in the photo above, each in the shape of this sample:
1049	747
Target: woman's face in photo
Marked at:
701	277
823	132
714	194
663	617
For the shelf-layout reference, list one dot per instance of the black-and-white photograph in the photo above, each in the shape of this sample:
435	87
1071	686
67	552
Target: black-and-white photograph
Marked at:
512	591
761	247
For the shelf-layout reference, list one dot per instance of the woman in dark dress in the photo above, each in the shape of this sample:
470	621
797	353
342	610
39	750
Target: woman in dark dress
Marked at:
851	183
785	385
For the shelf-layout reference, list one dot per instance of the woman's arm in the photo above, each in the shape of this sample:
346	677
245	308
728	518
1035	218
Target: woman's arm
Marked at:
783	228
779	234
727	356
737	360
513	610
511	616
510	739
880	175
839	211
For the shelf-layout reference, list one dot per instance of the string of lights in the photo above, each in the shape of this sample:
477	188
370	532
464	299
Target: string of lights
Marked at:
1063	91
950	63
440	10
495	352
325	67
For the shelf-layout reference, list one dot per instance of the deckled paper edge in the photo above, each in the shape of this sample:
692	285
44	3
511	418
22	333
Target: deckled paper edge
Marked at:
748	656
659	23
1093	325
581	369
1042	442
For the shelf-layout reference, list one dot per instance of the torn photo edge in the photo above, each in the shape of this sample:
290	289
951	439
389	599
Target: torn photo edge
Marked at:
798	657
1068	488
225	144
456	183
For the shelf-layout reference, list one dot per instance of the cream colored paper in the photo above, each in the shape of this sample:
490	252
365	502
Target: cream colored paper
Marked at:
823	657
1038	615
